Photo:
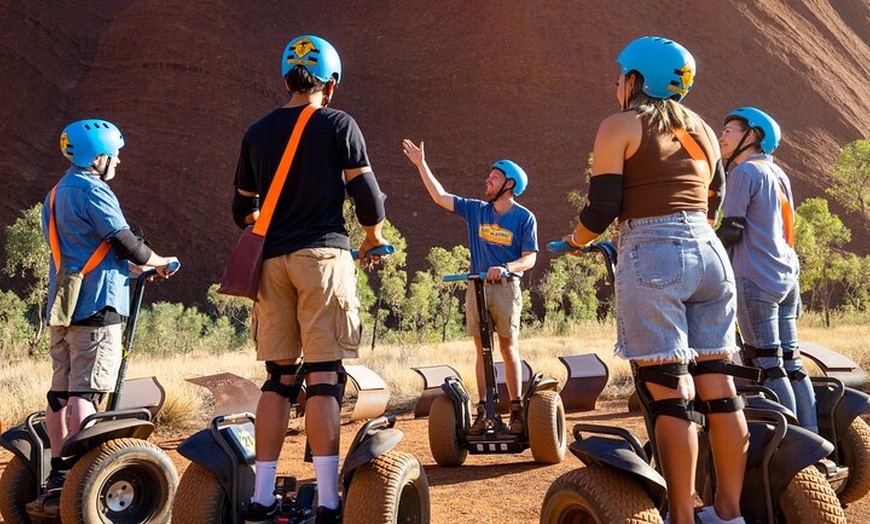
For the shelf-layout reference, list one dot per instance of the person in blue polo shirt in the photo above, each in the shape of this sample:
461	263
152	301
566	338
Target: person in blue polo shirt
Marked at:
503	238
84	227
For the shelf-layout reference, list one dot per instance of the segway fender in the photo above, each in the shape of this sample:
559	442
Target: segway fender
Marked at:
202	449
18	441
93	436
603	451
377	444
758	402
799	448
853	404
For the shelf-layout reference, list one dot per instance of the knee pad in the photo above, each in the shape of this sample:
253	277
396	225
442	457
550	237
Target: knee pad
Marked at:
57	400
723	367
751	352
95	398
667	375
329	390
273	383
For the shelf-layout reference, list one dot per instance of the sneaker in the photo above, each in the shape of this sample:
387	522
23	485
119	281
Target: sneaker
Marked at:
328	516
55	480
260	514
479	425
516	426
708	516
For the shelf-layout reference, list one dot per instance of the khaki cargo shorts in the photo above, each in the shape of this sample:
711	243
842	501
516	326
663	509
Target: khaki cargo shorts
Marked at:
504	303
85	359
307	305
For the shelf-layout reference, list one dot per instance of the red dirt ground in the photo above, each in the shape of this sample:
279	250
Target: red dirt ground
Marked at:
487	488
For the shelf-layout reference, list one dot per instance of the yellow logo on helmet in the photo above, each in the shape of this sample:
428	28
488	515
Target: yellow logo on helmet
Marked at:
64	145
687	77
301	49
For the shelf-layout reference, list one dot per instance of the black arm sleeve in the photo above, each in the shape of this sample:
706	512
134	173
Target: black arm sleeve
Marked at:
604	202
131	247
716	191
367	198
244	206
730	231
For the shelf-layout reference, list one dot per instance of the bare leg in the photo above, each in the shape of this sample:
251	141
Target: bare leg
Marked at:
322	427
57	429
273	413
478	369
729	441
677	441
79	409
510	353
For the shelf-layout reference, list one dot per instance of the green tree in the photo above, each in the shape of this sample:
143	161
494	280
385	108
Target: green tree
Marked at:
15	330
421	307
818	234
443	262
851	178
27	257
237	310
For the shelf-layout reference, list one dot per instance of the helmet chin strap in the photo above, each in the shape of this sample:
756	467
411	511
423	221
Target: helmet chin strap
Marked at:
739	149
105	170
502	190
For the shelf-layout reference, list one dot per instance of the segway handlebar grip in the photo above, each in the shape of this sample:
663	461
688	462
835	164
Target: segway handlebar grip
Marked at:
560	247
377	251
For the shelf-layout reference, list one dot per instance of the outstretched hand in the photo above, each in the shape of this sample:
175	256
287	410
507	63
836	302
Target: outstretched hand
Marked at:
416	154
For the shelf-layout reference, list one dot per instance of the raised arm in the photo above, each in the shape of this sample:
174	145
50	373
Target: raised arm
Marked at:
417	156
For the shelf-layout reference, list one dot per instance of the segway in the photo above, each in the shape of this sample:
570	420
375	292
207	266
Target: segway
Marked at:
838	410
450	414
621	481
116	475
379	483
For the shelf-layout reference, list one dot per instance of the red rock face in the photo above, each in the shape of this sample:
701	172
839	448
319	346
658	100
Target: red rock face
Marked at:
477	81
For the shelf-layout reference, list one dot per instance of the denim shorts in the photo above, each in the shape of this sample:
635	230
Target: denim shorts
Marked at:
675	294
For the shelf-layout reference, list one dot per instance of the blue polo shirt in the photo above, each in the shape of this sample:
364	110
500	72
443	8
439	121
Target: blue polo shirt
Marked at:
86	212
762	256
495	239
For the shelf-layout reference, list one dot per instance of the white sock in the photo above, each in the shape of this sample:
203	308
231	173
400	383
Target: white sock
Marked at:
326	473
264	482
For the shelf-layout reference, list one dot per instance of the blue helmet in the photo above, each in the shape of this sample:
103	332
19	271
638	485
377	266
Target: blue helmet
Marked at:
314	54
668	68
758	119
513	172
82	141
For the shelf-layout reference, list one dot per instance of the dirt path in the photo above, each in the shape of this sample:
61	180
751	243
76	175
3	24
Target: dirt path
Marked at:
487	488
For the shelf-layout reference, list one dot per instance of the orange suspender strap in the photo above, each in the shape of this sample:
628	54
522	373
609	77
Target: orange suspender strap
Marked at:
268	207
787	211
54	242
697	154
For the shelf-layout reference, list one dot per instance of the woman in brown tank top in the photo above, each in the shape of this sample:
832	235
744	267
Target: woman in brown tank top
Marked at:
656	167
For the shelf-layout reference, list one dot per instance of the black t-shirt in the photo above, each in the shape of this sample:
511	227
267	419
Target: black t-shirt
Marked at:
309	210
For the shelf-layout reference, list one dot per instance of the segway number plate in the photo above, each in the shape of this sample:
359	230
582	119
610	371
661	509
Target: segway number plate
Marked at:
241	440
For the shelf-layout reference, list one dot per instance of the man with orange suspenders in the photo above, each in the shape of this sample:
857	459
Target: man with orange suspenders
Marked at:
758	230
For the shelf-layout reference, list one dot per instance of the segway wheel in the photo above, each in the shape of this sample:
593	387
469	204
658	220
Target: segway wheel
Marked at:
546	426
127	481
810	499
200	498
597	495
854	447
443	438
17	487
392	489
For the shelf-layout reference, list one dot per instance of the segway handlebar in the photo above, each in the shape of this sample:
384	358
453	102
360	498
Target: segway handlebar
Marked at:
377	251
472	276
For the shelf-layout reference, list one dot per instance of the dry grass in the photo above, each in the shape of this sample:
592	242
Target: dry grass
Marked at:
188	407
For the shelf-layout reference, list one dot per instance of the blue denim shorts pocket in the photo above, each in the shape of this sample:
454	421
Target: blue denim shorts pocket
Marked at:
658	264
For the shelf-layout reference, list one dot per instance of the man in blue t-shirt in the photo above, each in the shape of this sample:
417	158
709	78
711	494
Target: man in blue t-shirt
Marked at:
87	234
503	237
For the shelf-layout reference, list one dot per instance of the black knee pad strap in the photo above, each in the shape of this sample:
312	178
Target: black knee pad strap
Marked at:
329	390
273	383
676	407
750	352
720	405
57	400
724	367
667	375
94	397
773	373
798	374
